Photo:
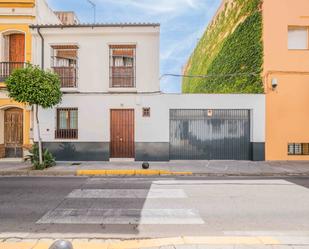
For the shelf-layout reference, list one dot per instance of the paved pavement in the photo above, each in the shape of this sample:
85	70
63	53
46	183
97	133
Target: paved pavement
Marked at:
147	207
165	243
206	168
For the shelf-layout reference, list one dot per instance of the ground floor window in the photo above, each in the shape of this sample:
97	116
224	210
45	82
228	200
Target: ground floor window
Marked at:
67	123
298	149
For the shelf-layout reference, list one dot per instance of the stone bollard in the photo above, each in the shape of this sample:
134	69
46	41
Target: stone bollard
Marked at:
145	165
61	244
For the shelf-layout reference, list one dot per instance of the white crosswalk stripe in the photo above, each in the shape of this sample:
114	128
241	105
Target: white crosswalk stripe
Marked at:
127	193
122	216
153	206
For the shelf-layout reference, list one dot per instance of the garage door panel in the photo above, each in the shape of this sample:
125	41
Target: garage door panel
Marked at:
210	134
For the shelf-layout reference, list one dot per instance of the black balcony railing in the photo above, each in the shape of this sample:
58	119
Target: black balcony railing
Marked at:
67	75
66	134
6	68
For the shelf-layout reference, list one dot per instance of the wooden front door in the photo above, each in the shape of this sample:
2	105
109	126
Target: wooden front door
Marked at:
13	132
17	48
122	133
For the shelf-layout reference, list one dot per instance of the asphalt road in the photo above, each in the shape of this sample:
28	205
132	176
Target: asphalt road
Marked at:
147	207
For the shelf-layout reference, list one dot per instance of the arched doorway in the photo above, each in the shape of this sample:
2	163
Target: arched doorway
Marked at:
13	132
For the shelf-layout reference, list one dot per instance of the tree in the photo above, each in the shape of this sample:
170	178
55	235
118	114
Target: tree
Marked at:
36	87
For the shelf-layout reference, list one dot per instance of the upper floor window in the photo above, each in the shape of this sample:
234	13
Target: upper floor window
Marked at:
67	123
64	63
298	38
122	65
13	54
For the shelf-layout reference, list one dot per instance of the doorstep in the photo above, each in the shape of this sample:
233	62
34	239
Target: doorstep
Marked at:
122	160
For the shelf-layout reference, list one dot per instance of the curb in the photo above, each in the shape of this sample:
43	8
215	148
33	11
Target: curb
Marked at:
131	173
128	173
145	243
191	241
36	173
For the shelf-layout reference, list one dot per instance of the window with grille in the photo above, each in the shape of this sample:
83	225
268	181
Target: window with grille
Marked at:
298	149
64	63
146	112
67	123
122	65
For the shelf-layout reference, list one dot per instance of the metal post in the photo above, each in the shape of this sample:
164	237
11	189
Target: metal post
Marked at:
94	10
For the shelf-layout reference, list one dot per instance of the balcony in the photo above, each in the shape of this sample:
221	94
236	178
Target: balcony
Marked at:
66	134
122	77
6	68
67	75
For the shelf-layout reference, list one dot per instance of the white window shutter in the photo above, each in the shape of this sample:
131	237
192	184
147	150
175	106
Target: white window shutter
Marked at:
298	38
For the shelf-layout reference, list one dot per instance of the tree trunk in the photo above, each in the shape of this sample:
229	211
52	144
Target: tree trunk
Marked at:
39	134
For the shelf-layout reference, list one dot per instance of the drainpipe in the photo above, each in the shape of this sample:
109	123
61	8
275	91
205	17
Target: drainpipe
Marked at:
36	106
42	48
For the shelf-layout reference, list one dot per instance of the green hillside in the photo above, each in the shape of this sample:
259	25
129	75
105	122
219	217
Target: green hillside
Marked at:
230	52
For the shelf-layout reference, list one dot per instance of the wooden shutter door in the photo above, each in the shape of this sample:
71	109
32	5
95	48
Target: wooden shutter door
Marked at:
17	48
122	133
13	132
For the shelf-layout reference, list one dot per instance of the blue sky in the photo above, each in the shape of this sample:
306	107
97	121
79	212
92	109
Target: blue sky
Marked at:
182	24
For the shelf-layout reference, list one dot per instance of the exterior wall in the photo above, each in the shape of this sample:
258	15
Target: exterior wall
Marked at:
287	112
67	17
45	15
16	16
94	45
151	134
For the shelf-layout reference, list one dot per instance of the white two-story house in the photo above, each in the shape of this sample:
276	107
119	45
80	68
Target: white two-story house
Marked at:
112	105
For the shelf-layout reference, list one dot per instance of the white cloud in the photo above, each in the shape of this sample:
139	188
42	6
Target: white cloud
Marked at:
158	6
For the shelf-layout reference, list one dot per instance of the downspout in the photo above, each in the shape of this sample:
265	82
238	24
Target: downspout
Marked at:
36	106
42	48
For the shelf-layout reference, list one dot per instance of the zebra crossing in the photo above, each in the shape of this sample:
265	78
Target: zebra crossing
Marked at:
156	205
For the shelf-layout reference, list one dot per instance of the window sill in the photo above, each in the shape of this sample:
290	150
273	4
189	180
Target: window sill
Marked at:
69	89
298	49
122	90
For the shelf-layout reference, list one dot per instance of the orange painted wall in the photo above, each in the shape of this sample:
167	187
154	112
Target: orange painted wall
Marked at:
287	107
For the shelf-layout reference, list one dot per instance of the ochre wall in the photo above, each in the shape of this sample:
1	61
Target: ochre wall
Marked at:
6	102
287	107
21	28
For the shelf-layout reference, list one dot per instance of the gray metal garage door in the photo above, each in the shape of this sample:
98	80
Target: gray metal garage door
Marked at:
210	134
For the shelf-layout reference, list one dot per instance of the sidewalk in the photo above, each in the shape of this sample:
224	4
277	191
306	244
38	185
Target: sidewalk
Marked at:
223	242
197	168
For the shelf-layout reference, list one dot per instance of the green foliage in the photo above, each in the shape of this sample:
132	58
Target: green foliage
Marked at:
229	52
34	86
48	159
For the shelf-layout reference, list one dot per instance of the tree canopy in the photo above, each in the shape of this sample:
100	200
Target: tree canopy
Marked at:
34	86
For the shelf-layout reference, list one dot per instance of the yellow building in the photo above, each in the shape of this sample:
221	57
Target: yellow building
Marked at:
15	51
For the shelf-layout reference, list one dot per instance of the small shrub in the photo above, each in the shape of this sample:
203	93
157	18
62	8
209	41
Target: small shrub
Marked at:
48	159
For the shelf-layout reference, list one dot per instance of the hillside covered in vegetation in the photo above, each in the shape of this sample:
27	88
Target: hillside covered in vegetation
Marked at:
230	52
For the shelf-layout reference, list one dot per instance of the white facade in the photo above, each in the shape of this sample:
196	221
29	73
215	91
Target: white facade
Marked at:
93	54
94	98
94	125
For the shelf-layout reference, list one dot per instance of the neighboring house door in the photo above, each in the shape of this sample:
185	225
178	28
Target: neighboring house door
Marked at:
17	48
210	134
122	133
13	132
